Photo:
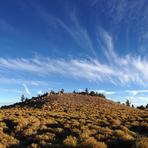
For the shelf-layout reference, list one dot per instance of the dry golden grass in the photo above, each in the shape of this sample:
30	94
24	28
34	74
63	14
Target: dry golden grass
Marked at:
73	120
141	143
70	141
93	143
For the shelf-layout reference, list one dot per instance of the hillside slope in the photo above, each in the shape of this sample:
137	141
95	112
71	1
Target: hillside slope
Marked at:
72	120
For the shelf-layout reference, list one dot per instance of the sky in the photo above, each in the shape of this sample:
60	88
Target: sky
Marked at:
74	44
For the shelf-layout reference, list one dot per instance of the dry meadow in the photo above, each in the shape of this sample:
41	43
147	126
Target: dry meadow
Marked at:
73	120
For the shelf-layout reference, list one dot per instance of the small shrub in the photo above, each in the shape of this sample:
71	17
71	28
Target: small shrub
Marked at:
92	93
93	143
34	145
70	141
141	143
62	91
45	137
115	122
28	132
141	107
2	146
100	95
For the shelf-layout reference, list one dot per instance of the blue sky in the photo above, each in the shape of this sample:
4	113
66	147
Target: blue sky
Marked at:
73	44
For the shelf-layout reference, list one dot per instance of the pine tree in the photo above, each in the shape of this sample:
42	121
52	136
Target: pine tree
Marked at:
86	91
62	91
23	98
128	103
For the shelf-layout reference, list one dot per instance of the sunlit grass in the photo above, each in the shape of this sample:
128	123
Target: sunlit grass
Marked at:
79	126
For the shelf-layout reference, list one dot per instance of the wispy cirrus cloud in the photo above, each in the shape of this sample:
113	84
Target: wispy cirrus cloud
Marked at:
129	68
126	71
26	89
130	92
78	33
123	11
137	92
137	100
93	69
117	70
73	27
105	92
107	45
122	16
39	92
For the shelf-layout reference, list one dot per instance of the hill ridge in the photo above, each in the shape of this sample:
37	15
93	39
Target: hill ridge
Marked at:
72	120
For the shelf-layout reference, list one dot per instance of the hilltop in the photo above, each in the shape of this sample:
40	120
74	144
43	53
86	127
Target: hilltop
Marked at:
72	120
69	102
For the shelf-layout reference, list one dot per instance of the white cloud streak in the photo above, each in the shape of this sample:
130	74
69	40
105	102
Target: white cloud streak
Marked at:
26	89
40	92
126	71
137	92
73	27
138	100
106	92
77	32
118	70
